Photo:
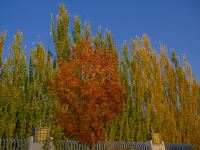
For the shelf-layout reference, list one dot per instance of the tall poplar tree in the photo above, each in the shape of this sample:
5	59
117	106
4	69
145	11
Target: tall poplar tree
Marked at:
60	34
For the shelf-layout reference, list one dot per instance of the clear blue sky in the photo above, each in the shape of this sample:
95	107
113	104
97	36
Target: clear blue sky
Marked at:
175	23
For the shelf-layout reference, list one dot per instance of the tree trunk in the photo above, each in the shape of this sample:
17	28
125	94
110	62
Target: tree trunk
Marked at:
92	147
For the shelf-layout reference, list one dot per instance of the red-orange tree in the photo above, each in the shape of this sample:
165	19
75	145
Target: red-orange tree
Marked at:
89	91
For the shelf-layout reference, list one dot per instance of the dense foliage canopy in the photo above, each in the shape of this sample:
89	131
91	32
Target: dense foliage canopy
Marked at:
90	92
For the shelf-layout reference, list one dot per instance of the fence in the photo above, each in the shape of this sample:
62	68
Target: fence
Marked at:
122	146
13	144
69	145
22	144
74	145
179	147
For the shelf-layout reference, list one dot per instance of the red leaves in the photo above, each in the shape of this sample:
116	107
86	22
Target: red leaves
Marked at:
89	91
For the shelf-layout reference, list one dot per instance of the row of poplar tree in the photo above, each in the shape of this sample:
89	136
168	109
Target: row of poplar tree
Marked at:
162	95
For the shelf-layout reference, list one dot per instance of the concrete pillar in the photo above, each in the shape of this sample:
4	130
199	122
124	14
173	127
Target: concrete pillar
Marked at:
160	146
38	145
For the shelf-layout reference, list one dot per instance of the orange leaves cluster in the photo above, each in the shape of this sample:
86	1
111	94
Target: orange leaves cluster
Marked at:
89	91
